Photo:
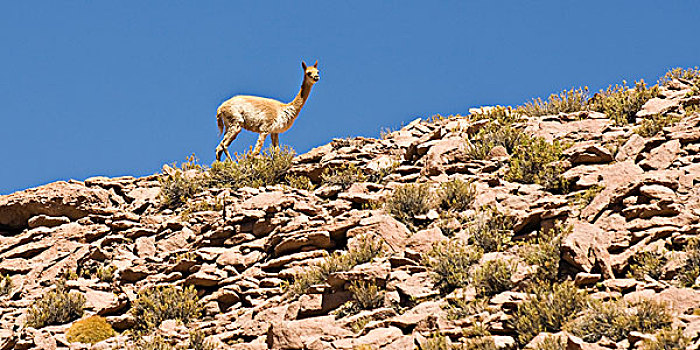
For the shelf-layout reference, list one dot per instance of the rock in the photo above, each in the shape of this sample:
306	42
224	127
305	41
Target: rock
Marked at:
630	149
297	334
443	152
657	106
392	232
145	247
588	153
374	339
58	199
47	221
661	157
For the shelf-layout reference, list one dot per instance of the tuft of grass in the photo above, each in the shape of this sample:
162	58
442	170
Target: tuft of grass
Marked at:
462	307
5	284
573	100
491	230
91	330
198	341
367	296
301	182
409	201
153	343
583	198
654	124
252	170
56	307
537	161
106	273
479	343
449	262
691	270
551	343
436	341
343	175
690	76
498	132
621	103
456	195
493	277
548	308
616	319
157	304
544	252
647	264
667	339
181	183
364	252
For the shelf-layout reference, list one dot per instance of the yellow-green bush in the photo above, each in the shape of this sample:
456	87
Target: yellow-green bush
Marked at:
537	161
616	319
498	114
690	76
91	330
436	341
363	252
691	271
647	264
299	181
667	339
493	277
57	306
458	308
198	341
551	342
547	309
181	183
409	201
343	175
449	262
153	343
621	103
456	195
544	252
652	125
157	304
5	284
252	170
479	343
491	230
570	101
105	273
583	198
498	132
367	296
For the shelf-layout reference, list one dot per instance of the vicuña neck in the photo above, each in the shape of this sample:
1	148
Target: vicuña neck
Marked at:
301	97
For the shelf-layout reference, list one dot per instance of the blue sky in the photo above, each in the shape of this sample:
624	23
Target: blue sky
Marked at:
122	87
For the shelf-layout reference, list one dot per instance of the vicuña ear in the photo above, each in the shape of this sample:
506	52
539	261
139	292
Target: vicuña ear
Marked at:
316	64
303	65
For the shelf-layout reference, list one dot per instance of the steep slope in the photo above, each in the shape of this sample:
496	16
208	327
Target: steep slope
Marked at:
600	226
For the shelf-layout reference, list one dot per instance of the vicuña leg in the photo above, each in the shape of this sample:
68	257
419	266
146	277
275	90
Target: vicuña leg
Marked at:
275	138
230	135
260	142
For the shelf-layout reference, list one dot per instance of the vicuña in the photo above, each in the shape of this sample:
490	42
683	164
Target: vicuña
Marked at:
262	115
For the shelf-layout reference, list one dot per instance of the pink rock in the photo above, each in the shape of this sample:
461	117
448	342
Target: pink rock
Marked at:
661	157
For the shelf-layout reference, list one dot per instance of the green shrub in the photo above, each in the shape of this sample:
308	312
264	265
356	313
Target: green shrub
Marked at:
91	330
690	76
479	343
551	342
621	103
153	343
56	307
616	319
198	341
667	339
458	308
493	277
491	230
363	252
647	264
498	132
537	161
654	124
548	308
106	273
252	170
449	262
380	175
691	270
367	296
5	284
583	198
343	175
301	182
545	252
498	114
157	304
570	101
456	195
409	201
180	184
436	341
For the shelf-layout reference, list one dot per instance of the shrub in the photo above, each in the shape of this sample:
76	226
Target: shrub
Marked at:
252	170
499	114
301	182
548	308
363	252
545	252
493	277
551	343
5	284
197	206
498	132
647	264
367	295
616	319
157	304
654	124
456	195
449	262
691	270
462	307
570	101
537	161
56	307
380	175
180	184
409	201
154	343
343	175
585	197
621	103
491	230
91	330
436	341
106	273
479	343
667	339
198	341
690	76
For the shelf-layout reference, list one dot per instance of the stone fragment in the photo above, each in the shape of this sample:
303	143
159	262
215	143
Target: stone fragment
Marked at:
47	221
661	157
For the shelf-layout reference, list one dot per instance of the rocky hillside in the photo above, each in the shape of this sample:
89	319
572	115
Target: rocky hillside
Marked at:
567	223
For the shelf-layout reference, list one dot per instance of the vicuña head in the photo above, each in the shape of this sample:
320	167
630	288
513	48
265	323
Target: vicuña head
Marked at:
262	115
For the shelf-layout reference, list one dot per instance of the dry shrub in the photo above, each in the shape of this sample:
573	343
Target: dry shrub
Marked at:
654	124
491	230
667	339
449	262
544	252
535	160
570	101
409	201
157	304
456	195
181	183
56	307
493	277
343	175
91	330
647	264
621	103
252	170
367	296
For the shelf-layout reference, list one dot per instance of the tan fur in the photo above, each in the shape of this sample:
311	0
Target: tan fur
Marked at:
262	115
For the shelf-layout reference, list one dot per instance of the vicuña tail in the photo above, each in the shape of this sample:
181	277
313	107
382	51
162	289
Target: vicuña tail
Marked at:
220	121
